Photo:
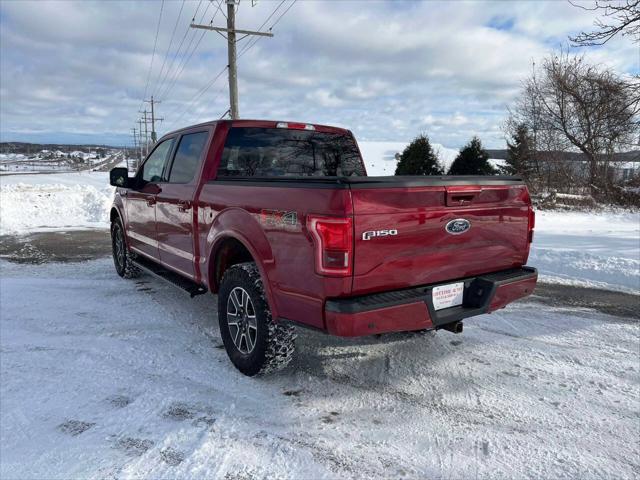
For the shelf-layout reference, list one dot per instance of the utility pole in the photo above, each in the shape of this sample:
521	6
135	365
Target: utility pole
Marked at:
154	137
146	132
140	141
231	32
135	145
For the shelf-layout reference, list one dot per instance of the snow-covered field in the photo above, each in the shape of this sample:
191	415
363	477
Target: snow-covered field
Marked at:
127	379
54	161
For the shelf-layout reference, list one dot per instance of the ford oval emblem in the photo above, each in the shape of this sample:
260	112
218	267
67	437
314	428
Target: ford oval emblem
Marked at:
458	226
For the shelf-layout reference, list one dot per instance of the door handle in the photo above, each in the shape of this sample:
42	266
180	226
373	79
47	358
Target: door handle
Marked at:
184	205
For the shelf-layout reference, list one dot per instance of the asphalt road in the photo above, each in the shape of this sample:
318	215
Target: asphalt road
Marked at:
83	245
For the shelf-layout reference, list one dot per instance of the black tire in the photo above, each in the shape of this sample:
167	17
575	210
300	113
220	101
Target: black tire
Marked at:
122	257
272	344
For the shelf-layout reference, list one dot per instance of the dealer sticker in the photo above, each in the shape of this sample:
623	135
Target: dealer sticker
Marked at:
446	296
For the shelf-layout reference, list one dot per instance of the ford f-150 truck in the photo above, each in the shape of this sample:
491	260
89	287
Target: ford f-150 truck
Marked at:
280	220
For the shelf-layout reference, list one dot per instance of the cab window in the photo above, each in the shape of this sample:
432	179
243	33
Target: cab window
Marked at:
154	166
187	157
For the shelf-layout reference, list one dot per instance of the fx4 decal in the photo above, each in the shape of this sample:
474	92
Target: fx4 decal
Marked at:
278	218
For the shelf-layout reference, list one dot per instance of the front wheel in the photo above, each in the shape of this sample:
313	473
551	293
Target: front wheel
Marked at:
254	342
122	257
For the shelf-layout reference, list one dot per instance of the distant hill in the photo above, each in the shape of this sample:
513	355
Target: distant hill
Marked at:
28	148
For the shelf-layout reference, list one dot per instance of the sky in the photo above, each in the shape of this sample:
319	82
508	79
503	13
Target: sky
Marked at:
77	71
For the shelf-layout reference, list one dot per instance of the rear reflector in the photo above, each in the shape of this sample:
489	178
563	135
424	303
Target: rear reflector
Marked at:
333	238
295	126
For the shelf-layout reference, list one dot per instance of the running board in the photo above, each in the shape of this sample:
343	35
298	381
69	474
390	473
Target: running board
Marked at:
173	278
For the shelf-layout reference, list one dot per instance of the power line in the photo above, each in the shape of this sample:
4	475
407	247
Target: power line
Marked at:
179	48
283	14
231	32
184	63
155	42
199	94
247	47
201	91
166	55
253	41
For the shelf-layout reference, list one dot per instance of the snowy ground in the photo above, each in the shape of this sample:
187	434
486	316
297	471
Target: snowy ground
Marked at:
128	379
592	249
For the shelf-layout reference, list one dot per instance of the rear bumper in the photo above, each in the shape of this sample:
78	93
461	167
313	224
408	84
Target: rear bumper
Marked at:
412	309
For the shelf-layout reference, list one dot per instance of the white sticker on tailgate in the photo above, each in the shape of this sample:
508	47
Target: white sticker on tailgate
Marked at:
446	296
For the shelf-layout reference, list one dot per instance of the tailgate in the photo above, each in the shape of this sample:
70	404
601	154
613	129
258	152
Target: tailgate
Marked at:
417	235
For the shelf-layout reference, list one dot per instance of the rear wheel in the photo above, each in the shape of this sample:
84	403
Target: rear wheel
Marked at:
254	342
122	257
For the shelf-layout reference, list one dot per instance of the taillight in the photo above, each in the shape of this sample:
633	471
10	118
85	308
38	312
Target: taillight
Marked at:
333	238
532	223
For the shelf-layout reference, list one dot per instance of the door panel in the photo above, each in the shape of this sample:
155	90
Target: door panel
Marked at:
175	213
141	201
141	215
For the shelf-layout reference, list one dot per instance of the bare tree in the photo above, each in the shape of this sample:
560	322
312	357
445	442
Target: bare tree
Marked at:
571	105
618	17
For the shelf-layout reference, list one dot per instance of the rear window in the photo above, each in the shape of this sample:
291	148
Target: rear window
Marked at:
276	152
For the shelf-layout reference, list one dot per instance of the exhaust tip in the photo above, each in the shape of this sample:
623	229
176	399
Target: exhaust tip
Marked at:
455	327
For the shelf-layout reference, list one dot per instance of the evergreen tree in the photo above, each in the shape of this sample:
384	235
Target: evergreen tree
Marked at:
418	158
472	160
519	153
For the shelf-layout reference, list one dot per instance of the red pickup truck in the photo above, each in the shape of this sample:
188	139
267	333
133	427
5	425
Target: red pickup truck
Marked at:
280	220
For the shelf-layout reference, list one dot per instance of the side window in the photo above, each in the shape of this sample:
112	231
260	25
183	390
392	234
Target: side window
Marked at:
187	158
152	168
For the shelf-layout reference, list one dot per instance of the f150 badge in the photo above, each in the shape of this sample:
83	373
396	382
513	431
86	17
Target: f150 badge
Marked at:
369	234
458	226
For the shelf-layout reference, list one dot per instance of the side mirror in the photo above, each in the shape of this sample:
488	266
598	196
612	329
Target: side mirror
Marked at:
119	177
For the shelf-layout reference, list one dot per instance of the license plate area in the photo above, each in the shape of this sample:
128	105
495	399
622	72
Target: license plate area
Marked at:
447	296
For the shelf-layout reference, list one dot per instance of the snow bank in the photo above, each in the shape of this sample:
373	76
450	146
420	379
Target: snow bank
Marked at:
594	249
54	202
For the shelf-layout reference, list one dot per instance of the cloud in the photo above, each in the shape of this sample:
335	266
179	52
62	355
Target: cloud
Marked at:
388	71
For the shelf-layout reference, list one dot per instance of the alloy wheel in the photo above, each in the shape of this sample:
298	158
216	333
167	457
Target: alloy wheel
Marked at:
241	319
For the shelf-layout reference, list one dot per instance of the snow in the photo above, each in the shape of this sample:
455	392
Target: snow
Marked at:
56	161
127	379
379	157
585	248
61	201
